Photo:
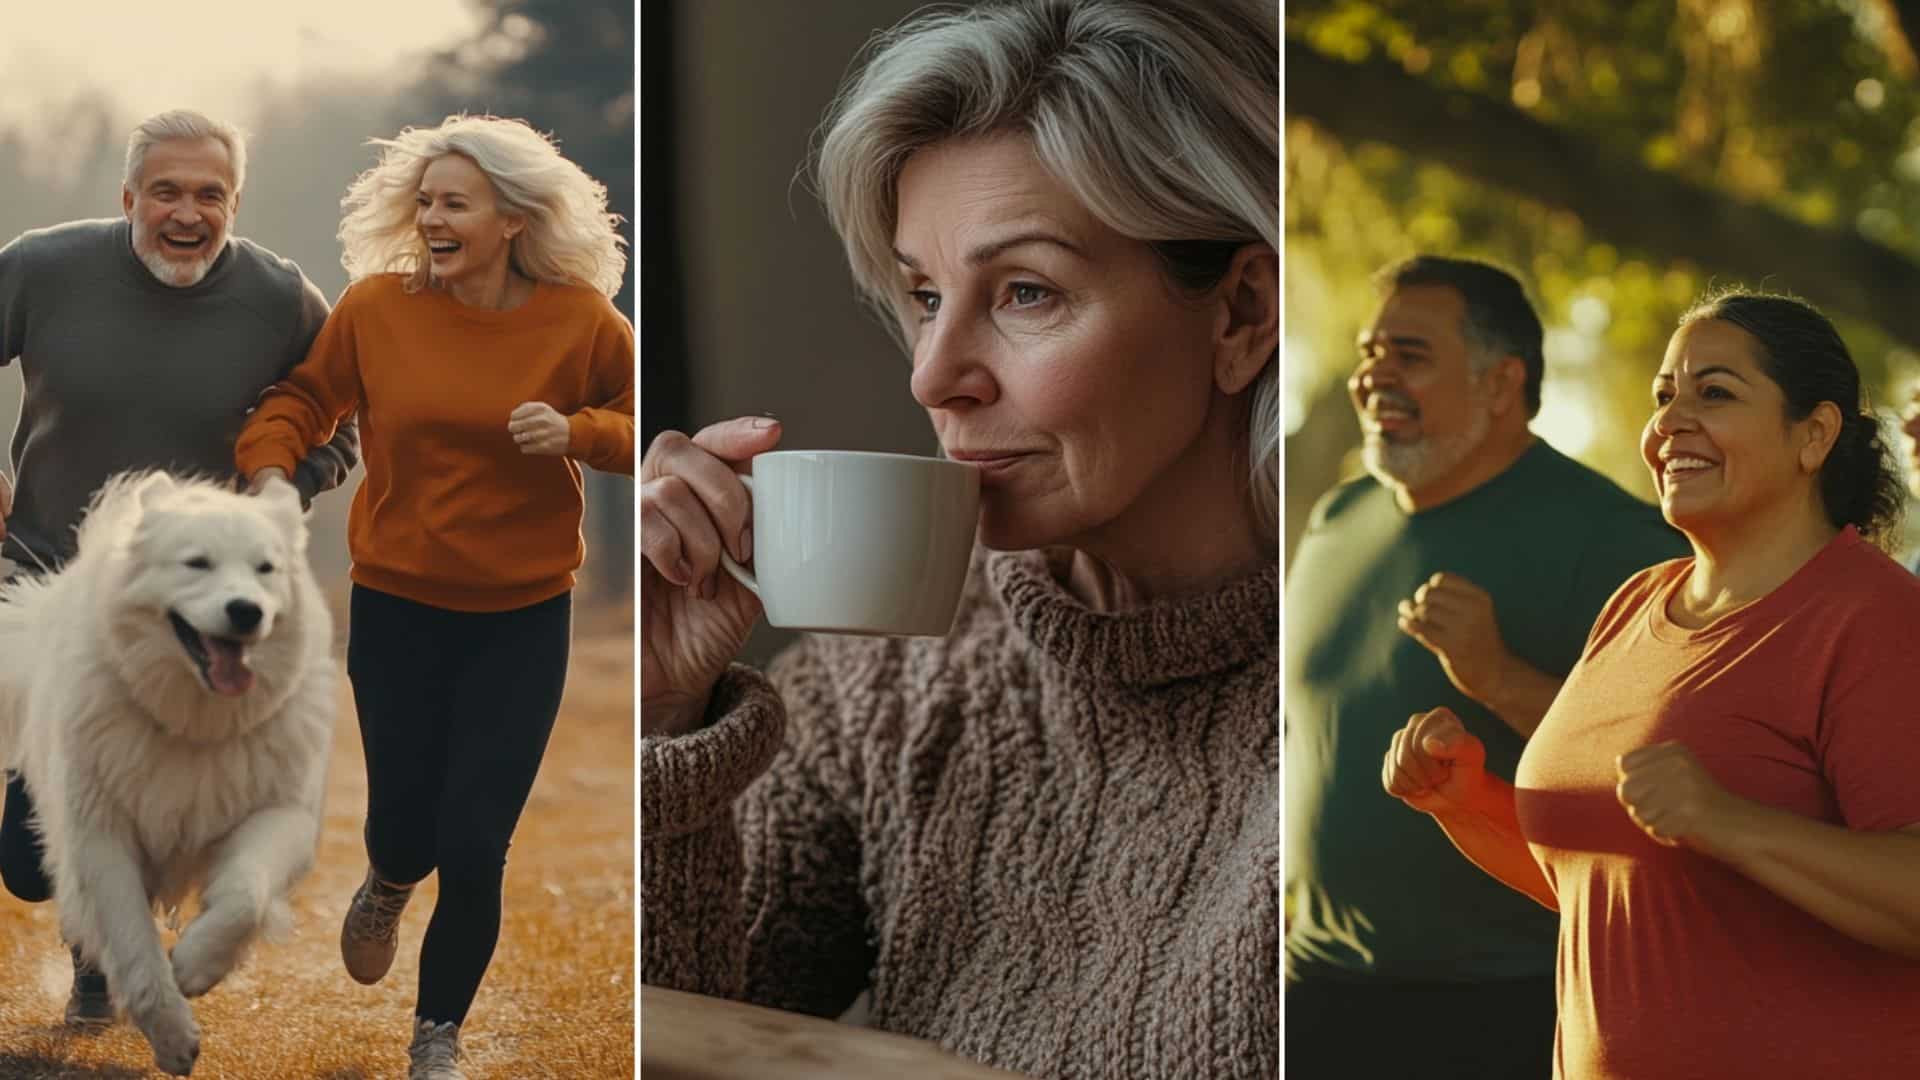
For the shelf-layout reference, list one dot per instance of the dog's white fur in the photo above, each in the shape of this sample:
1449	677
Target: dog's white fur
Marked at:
150	786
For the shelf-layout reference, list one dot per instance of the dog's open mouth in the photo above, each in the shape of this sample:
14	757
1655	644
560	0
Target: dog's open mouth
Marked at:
222	661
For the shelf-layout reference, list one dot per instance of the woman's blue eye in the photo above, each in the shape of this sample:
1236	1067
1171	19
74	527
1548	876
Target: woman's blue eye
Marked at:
1025	295
926	301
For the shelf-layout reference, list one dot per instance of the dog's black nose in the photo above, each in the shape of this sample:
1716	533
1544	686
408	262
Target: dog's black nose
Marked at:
243	614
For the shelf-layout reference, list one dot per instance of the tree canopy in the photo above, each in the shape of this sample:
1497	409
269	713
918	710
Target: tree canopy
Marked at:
1621	157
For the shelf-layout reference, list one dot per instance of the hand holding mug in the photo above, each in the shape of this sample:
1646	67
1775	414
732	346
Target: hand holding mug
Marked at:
1434	764
694	617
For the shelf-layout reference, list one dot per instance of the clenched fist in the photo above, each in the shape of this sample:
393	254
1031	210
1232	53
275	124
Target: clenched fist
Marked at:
1674	800
1454	619
1435	764
538	428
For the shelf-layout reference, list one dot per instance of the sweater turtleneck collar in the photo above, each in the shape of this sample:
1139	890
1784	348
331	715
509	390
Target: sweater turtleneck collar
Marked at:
1179	638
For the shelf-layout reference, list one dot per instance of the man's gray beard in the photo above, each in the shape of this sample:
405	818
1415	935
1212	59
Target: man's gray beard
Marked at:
1418	464
174	274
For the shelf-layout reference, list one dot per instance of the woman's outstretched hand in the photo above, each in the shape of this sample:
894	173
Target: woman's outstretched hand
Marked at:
694	617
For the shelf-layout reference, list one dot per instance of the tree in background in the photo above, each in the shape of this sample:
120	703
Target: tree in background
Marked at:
1621	156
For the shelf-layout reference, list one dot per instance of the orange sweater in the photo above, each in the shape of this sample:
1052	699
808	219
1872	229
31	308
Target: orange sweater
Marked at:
451	513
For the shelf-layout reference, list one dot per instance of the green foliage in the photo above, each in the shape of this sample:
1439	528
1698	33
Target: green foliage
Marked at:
1792	104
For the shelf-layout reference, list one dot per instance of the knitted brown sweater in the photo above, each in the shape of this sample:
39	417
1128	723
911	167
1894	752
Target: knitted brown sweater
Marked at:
1048	841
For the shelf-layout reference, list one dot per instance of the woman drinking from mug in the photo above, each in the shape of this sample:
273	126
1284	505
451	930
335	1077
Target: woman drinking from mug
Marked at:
481	348
1721	801
1047	840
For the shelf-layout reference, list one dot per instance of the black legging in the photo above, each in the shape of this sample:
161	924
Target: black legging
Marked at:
21	856
455	709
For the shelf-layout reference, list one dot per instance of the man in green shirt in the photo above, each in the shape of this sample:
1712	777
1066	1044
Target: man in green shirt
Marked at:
1464	572
143	342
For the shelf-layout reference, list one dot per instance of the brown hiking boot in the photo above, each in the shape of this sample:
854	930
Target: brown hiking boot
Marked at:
435	1052
371	932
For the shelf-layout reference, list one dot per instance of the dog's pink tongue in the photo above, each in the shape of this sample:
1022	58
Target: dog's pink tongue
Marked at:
228	670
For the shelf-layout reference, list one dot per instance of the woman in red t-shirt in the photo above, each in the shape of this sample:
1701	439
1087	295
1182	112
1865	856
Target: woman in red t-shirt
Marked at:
1723	802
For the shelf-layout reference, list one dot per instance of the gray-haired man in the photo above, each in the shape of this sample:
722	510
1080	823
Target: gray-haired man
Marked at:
1464	572
144	341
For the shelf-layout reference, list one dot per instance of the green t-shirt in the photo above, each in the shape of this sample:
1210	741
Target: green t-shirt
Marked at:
1375	889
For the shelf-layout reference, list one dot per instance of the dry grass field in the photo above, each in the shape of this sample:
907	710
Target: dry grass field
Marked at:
558	1001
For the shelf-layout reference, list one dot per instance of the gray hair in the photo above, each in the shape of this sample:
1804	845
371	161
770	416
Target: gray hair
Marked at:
184	124
569	238
1160	116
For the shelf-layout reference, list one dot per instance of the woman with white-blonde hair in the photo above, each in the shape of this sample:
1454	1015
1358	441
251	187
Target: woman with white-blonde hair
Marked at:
479	345
1046	841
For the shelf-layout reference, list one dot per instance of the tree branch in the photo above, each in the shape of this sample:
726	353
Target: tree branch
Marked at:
1904	17
1614	194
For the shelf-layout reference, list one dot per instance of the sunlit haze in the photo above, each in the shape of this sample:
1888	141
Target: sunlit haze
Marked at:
213	55
1566	415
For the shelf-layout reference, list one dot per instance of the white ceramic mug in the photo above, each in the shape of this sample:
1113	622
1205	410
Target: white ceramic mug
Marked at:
860	543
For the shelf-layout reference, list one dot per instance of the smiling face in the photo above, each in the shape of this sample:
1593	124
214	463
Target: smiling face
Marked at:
1049	349
181	209
1423	409
1719	444
467	234
215	567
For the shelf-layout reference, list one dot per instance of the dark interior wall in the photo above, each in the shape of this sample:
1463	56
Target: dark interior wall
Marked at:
662	323
772	321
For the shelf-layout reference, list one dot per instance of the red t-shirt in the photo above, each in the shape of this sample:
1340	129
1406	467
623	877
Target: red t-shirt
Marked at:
1673	965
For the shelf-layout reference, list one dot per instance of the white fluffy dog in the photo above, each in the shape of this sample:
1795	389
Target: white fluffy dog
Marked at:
169	697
